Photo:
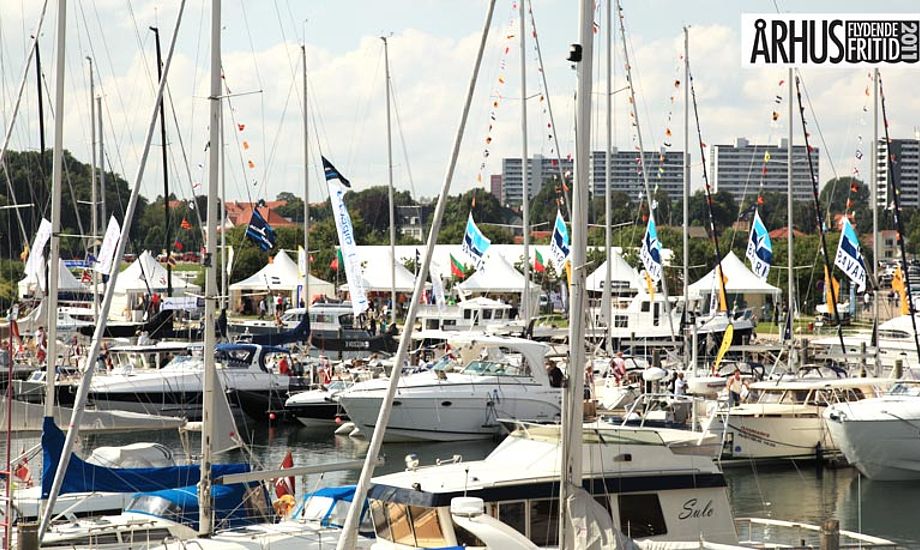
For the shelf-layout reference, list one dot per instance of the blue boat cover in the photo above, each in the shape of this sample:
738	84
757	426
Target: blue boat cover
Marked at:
82	477
230	508
300	333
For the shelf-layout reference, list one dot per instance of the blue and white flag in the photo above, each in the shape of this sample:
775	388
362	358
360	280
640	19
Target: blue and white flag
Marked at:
260	232
849	259
349	249
650	252
333	174
475	243
759	248
559	245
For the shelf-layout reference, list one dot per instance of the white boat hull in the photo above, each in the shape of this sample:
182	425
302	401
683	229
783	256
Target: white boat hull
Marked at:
774	437
884	450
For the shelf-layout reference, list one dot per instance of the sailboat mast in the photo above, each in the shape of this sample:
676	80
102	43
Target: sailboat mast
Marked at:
94	198
790	275
686	201
525	182
101	136
57	173
876	241
606	298
96	342
306	182
648	189
350	529
224	293
210	338
386	63
167	244
572	434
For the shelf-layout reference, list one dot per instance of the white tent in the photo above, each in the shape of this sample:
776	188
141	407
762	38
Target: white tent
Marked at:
496	275
145	276
66	283
376	273
739	280
281	275
622	275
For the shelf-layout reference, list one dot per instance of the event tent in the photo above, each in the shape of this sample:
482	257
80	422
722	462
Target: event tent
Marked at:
144	276
376	273
623	275
66	283
280	275
739	280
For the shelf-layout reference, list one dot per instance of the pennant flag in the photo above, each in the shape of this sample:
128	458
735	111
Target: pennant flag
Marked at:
456	268
650	252
568	272
260	232
559	244
109	244
86	277
849	259
241	127
897	284
301	261
337	261
437	288
759	248
333	174
251	164
185	224
178	245
650	286
285	485
830	282
726	343
538	265
245	145
229	261
475	243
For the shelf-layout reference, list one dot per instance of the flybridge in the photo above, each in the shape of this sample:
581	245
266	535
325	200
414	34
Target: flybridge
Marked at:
822	39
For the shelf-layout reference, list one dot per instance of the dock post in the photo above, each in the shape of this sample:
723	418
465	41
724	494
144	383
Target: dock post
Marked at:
830	535
898	368
28	536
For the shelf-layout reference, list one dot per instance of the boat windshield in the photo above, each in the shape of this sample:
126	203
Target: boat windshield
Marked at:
183	362
336	386
904	389
155	506
445	362
491	368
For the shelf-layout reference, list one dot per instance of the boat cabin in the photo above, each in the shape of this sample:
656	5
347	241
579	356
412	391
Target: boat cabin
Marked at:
473	314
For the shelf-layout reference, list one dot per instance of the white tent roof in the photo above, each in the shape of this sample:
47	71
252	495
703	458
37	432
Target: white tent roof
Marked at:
740	280
66	282
146	272
282	274
619	271
496	275
376	273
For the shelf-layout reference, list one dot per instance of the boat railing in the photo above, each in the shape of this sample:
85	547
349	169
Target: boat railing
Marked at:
768	533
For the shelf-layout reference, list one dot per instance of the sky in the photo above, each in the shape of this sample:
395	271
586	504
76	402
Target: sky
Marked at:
432	45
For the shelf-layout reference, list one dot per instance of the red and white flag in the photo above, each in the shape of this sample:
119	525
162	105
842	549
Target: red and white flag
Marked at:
285	485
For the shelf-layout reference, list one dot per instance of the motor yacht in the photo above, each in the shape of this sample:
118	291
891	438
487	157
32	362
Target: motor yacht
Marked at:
502	378
879	436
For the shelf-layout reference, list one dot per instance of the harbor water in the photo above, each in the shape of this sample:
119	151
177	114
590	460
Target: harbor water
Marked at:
788	491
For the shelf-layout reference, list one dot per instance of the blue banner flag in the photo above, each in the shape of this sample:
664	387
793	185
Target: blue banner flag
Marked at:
333	174
650	252
849	259
559	245
759	248
475	243
260	232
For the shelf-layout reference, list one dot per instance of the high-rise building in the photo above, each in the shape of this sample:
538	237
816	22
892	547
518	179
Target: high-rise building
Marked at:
739	169
905	165
665	171
495	187
539	170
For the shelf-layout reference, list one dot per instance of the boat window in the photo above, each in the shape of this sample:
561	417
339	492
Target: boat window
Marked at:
893	334
347	320
467	313
235	358
771	397
499	314
490	368
906	389
513	514
621	321
795	397
465	538
856	394
641	516
487	314
544	522
427	527
155	506
400	524
646	306
379	515
656	316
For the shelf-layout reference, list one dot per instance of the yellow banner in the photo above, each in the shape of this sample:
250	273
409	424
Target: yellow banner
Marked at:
897	284
723	349
831	298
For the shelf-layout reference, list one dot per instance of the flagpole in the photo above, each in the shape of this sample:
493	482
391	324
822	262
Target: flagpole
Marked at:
306	182
525	183
94	198
386	63
606	298
686	202
790	280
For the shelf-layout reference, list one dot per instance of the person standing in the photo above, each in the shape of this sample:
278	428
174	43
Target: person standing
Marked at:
618	366
41	345
680	385
262	308
735	385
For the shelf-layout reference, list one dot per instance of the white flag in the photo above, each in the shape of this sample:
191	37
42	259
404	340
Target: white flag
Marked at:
36	258
301	261
229	261
109	244
349	249
438	288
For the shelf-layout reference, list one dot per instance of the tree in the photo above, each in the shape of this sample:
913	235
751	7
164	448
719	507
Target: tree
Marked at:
724	209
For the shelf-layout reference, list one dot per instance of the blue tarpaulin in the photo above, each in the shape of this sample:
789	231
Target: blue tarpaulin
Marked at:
82	477
228	501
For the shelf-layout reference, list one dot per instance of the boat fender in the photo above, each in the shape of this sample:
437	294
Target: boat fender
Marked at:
356	433
345	429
